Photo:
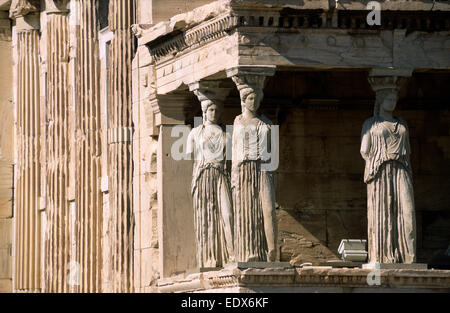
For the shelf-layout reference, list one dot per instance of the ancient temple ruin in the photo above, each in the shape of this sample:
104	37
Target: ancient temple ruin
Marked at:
95	185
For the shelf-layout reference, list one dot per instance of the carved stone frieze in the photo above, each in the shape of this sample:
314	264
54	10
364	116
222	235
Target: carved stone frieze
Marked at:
167	41
192	38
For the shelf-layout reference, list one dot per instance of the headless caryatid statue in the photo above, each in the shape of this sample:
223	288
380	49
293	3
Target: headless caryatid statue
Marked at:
211	191
386	150
253	188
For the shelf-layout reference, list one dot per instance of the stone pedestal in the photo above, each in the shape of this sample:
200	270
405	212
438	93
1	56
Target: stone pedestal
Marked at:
341	264
280	277
202	270
272	265
397	266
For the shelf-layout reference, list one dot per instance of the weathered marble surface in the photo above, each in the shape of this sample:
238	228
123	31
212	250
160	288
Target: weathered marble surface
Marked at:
211	190
253	187
386	150
307	279
185	48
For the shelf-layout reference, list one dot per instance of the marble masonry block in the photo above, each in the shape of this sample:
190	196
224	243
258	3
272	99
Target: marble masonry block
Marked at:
352	244
202	270
6	226
341	264
242	265
395	266
5	285
354	255
353	250
5	263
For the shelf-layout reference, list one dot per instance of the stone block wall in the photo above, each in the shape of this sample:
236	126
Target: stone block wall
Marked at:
145	200
6	155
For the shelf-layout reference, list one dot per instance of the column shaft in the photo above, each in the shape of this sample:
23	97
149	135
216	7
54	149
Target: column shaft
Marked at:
57	246
121	17
88	156
27	191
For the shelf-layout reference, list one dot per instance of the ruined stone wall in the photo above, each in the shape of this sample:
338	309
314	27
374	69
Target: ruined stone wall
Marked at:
6	154
145	184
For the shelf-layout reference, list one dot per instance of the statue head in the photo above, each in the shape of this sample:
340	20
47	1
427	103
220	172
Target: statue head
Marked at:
251	99
251	91
387	86
389	100
211	111
386	100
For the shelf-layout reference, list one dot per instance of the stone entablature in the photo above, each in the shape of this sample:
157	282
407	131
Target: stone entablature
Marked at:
404	5
307	279
191	39
186	48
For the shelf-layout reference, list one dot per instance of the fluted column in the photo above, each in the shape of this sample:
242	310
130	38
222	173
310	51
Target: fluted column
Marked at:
57	232
27	178
122	49
88	150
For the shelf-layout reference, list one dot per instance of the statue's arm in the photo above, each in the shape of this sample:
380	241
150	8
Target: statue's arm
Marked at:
408	148
366	142
234	158
408	142
265	143
190	143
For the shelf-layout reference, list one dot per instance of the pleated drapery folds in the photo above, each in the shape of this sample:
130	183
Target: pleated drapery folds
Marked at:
212	189
391	216
390	195
249	232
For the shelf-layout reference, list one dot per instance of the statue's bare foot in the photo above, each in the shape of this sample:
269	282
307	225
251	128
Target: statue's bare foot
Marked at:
271	255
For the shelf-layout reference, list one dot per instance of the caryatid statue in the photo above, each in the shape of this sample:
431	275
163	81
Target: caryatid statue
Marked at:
255	230
211	190
386	150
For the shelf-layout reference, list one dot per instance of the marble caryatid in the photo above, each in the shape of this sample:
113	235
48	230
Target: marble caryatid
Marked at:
211	191
252	185
386	150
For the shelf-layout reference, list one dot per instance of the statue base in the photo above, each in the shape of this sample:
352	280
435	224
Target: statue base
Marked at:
395	266
341	264
243	265
202	270
251	277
